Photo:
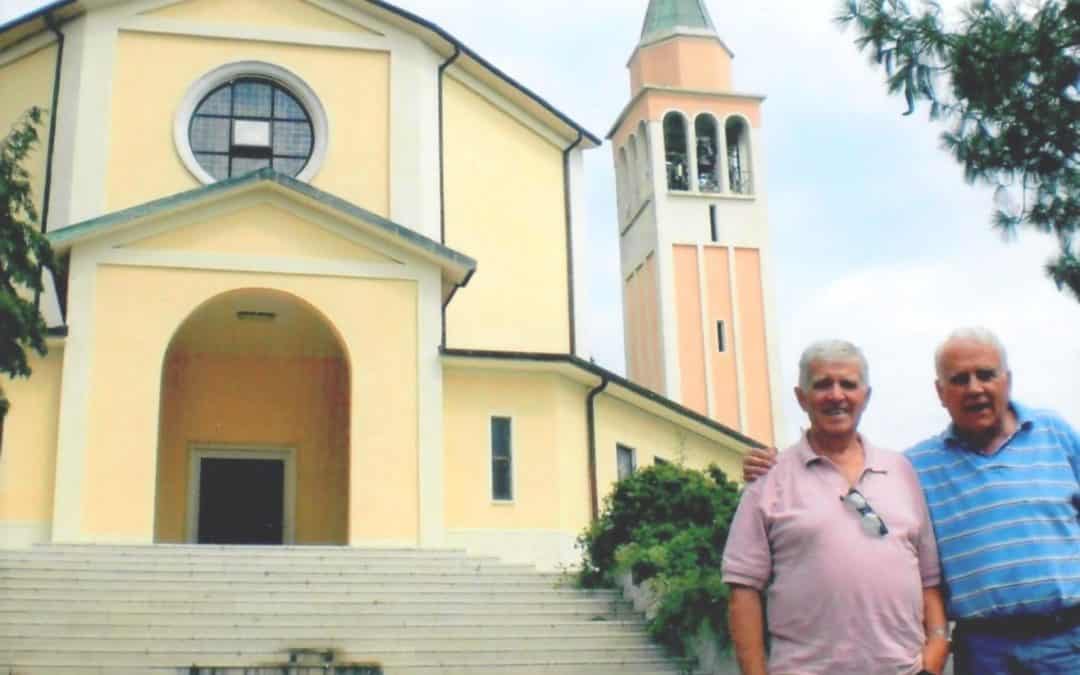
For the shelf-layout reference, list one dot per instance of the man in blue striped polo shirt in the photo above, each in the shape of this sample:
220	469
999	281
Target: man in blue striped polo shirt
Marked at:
1003	487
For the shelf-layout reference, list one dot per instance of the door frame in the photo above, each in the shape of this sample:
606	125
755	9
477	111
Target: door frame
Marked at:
198	452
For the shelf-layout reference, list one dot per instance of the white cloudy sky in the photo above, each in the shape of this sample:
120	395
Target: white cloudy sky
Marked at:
876	237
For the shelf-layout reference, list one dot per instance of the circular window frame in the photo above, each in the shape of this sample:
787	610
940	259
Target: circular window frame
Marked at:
257	69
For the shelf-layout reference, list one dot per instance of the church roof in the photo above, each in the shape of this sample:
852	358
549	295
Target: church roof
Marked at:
458	52
666	17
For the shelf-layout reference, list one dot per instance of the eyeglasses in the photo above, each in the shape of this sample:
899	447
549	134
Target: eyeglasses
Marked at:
983	375
871	522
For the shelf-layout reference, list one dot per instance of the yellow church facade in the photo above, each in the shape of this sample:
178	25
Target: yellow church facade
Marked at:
320	286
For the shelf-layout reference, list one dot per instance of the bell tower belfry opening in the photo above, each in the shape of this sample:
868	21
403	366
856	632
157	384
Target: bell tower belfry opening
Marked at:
693	225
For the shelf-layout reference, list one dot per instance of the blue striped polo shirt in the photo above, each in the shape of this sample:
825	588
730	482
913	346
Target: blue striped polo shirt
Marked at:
1007	524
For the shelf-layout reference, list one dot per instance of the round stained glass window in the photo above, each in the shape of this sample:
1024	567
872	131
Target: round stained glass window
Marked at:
249	124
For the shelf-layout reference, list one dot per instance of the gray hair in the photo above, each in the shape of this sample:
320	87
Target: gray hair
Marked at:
831	351
976	334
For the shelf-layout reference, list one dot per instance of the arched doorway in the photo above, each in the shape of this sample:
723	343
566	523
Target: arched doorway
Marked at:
254	434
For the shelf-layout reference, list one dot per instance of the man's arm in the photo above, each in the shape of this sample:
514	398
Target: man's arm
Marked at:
746	618
936	650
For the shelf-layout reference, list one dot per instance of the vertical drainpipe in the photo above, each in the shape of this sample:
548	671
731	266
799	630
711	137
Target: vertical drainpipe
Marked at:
590	429
442	169
570	241
47	194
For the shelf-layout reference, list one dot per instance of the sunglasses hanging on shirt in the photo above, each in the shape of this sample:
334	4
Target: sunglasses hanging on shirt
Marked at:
871	522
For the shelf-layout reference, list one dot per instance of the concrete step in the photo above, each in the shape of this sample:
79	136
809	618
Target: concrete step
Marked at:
282	573
159	609
225	562
378	585
238	601
345	630
595	667
103	658
370	617
332	639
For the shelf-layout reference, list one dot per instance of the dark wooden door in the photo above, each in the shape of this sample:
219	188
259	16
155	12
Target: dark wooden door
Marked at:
241	501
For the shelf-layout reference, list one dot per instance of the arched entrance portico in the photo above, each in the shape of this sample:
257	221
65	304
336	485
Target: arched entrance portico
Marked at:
254	425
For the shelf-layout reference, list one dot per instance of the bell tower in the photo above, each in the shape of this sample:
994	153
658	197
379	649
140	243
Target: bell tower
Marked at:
693	225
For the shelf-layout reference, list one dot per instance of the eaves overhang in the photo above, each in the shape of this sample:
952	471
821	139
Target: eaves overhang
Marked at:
457	268
37	21
702	93
588	373
487	71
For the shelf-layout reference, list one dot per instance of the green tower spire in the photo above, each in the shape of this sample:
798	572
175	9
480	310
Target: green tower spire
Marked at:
671	16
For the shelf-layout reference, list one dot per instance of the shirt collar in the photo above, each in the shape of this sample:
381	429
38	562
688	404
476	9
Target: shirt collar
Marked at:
1024	422
871	455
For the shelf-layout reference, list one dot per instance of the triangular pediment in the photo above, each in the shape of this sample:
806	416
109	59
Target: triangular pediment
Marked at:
293	14
263	229
267	220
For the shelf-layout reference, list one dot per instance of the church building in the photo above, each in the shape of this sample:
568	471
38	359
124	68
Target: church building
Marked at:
321	281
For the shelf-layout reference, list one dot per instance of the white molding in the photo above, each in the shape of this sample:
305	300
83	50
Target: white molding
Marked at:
430	438
415	196
579	245
199	451
24	48
320	122
666	295
67	114
707	330
503	104
231	31
257	264
75	401
736	338
24	533
92	116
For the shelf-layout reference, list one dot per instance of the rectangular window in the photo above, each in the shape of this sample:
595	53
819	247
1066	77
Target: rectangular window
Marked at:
502	483
713	223
627	462
721	341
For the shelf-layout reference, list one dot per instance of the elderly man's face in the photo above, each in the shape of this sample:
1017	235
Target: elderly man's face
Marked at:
973	387
836	397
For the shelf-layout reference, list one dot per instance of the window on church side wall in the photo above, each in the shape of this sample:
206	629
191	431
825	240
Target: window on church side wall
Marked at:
707	154
625	460
250	124
740	177
676	156
502	468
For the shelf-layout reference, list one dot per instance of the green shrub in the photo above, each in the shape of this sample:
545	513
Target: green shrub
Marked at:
667	524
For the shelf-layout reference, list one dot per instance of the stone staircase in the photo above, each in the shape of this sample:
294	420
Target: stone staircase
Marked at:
187	610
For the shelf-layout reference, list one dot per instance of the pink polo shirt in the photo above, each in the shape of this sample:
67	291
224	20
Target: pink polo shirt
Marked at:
837	599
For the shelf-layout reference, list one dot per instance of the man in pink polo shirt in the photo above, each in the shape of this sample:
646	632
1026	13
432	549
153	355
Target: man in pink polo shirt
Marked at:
836	542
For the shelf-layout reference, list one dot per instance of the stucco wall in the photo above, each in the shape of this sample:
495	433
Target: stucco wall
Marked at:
28	450
641	314
377	322
297	403
618	422
505	208
27	82
143	163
